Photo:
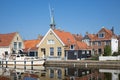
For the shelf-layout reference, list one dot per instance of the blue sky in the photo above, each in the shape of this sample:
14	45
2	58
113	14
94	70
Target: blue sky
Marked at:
32	17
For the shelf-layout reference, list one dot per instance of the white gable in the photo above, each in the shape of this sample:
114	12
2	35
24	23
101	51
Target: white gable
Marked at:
50	30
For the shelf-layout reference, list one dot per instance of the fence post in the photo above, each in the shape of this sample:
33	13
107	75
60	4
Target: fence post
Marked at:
6	64
32	65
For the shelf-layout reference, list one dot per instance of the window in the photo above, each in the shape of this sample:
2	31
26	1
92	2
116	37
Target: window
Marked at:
75	53
107	43
101	35
59	51
17	38
99	43
93	43
51	51
59	72
51	73
87	52
83	52
50	42
15	45
20	45
72	47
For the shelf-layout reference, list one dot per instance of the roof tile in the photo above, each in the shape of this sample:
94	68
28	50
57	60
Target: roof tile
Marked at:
6	39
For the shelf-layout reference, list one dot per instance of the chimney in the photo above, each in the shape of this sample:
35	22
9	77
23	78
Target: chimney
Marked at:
40	36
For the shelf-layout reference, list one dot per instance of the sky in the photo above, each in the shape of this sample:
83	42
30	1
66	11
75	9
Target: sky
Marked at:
31	18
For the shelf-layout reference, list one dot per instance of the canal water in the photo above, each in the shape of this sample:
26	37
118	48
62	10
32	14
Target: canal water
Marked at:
58	73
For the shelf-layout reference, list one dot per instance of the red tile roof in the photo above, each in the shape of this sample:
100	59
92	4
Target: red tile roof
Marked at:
77	37
6	39
69	39
66	37
4	77
82	45
108	35
31	44
91	36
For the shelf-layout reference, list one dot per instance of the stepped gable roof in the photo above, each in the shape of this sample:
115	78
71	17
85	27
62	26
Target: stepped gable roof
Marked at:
6	39
31	44
108	34
66	37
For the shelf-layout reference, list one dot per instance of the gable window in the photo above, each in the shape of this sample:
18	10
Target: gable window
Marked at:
101	35
50	41
59	50
51	51
15	45
17	38
20	45
72	47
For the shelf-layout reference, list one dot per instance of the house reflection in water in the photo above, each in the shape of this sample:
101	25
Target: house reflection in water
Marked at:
72	74
53	73
57	73
83	74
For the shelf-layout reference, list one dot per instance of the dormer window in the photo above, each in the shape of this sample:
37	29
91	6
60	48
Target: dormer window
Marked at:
101	35
72	47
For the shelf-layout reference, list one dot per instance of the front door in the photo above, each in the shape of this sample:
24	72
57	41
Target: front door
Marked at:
44	52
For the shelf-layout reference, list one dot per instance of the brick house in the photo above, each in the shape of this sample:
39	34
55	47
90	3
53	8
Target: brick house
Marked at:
101	39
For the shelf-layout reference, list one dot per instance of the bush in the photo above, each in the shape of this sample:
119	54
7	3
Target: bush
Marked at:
107	51
115	54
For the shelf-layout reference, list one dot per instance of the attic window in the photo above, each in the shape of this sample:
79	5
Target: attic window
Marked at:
51	33
50	41
72	47
17	38
68	40
101	35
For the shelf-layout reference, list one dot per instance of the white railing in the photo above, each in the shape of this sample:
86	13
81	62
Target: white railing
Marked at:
105	58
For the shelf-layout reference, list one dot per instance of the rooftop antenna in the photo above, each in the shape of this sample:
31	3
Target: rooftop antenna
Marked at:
52	23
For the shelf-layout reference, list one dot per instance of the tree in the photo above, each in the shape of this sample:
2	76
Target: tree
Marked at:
107	51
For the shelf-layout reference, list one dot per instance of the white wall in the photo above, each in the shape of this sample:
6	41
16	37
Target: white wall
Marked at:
105	58
3	50
114	45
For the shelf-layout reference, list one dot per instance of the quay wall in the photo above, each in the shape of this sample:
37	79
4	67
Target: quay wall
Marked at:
83	63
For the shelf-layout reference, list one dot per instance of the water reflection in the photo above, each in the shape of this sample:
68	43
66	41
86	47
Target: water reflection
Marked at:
57	73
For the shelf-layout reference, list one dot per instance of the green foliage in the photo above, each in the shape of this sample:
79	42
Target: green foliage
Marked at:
119	50
107	51
93	57
115	54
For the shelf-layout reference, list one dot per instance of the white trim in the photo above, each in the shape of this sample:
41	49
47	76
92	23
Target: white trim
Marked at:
46	36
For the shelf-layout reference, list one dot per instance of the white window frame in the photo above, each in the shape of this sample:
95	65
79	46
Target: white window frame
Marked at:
50	41
51	51
59	51
101	35
83	52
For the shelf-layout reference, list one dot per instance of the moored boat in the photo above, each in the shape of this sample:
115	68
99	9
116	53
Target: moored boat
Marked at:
18	60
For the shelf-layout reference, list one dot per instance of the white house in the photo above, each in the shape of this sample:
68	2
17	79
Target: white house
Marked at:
10	43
